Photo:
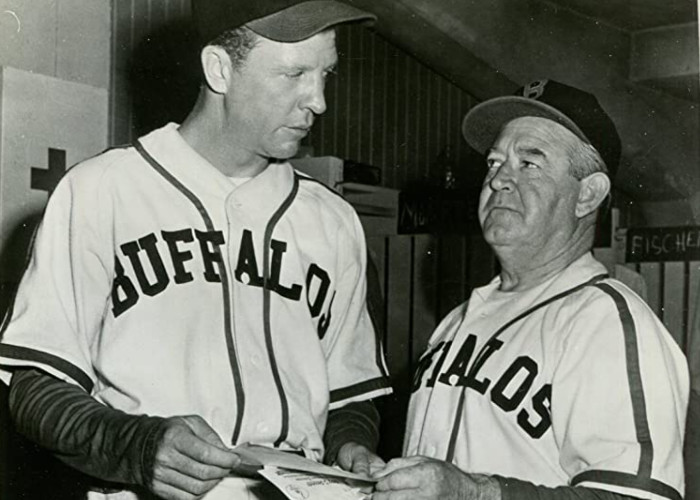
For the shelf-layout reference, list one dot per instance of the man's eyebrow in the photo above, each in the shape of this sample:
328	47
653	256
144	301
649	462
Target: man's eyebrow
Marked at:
531	151
292	67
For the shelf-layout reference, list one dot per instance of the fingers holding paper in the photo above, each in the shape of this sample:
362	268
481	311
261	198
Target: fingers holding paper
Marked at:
423	478
357	458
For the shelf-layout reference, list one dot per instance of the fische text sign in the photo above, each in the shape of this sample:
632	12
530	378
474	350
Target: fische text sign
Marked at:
663	244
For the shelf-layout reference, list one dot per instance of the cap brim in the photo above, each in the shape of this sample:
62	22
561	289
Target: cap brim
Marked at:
306	19
484	122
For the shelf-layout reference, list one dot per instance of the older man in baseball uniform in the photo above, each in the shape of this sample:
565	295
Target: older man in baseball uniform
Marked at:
553	381
193	291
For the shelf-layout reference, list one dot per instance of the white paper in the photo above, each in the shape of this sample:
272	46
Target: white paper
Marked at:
264	456
297	485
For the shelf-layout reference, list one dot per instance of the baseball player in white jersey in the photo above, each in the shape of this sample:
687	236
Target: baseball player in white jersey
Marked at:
553	381
193	292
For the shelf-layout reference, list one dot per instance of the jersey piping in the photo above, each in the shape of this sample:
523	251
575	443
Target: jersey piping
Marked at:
379	383
357	389
478	360
26	354
642	480
233	360
628	481
284	405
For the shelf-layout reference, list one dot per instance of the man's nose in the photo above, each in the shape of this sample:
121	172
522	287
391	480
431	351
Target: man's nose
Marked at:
315	99
504	178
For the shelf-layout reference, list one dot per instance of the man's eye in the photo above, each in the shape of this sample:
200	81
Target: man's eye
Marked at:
329	73
529	164
294	74
492	163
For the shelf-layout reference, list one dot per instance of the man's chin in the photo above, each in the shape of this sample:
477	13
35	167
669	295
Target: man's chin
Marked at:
285	152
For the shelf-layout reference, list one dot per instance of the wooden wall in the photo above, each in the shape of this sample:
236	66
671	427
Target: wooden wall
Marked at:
385	108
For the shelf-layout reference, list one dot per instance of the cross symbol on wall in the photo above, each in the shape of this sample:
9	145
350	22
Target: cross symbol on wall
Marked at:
46	179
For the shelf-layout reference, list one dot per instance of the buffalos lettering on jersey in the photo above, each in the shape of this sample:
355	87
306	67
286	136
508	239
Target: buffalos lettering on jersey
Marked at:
145	259
508	392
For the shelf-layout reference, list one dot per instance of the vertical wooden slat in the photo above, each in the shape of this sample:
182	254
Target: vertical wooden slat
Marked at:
383	59
693	305
425	294
394	66
452	273
651	272
158	13
398	296
418	117
673	300
374	89
349	94
406	138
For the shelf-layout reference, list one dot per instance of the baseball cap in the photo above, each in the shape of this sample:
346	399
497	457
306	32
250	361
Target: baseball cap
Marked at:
575	109
279	20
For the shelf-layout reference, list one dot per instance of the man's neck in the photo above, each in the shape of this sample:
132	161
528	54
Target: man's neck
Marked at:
204	135
520	271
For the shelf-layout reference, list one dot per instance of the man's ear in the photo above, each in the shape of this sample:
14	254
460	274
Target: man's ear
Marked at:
216	65
592	192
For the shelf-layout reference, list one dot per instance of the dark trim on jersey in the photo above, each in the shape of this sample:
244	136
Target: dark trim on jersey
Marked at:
60	364
226	289
360	388
377	339
480	354
634	378
301	178
615	478
284	405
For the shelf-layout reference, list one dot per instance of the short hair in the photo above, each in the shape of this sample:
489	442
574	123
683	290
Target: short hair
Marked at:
585	160
237	42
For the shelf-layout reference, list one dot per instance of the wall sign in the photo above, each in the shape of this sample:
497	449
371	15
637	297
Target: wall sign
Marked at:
46	125
663	244
437	211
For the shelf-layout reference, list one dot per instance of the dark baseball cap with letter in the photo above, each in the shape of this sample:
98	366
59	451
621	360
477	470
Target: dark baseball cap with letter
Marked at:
279	20
575	109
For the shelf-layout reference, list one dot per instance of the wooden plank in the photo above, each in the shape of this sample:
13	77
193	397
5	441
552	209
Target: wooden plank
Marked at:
673	299
693	331
398	288
652	276
452	273
480	261
425	293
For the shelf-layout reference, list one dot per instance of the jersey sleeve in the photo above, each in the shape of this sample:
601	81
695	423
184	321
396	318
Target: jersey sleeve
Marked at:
356	367
619	397
53	320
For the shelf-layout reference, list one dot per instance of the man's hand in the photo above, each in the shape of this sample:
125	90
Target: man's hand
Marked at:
423	478
189	460
356	458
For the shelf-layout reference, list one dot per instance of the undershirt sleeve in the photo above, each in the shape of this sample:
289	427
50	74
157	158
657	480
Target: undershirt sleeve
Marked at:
515	489
99	441
357	422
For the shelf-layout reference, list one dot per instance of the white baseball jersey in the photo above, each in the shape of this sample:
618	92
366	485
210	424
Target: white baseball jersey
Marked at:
163	289
574	382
